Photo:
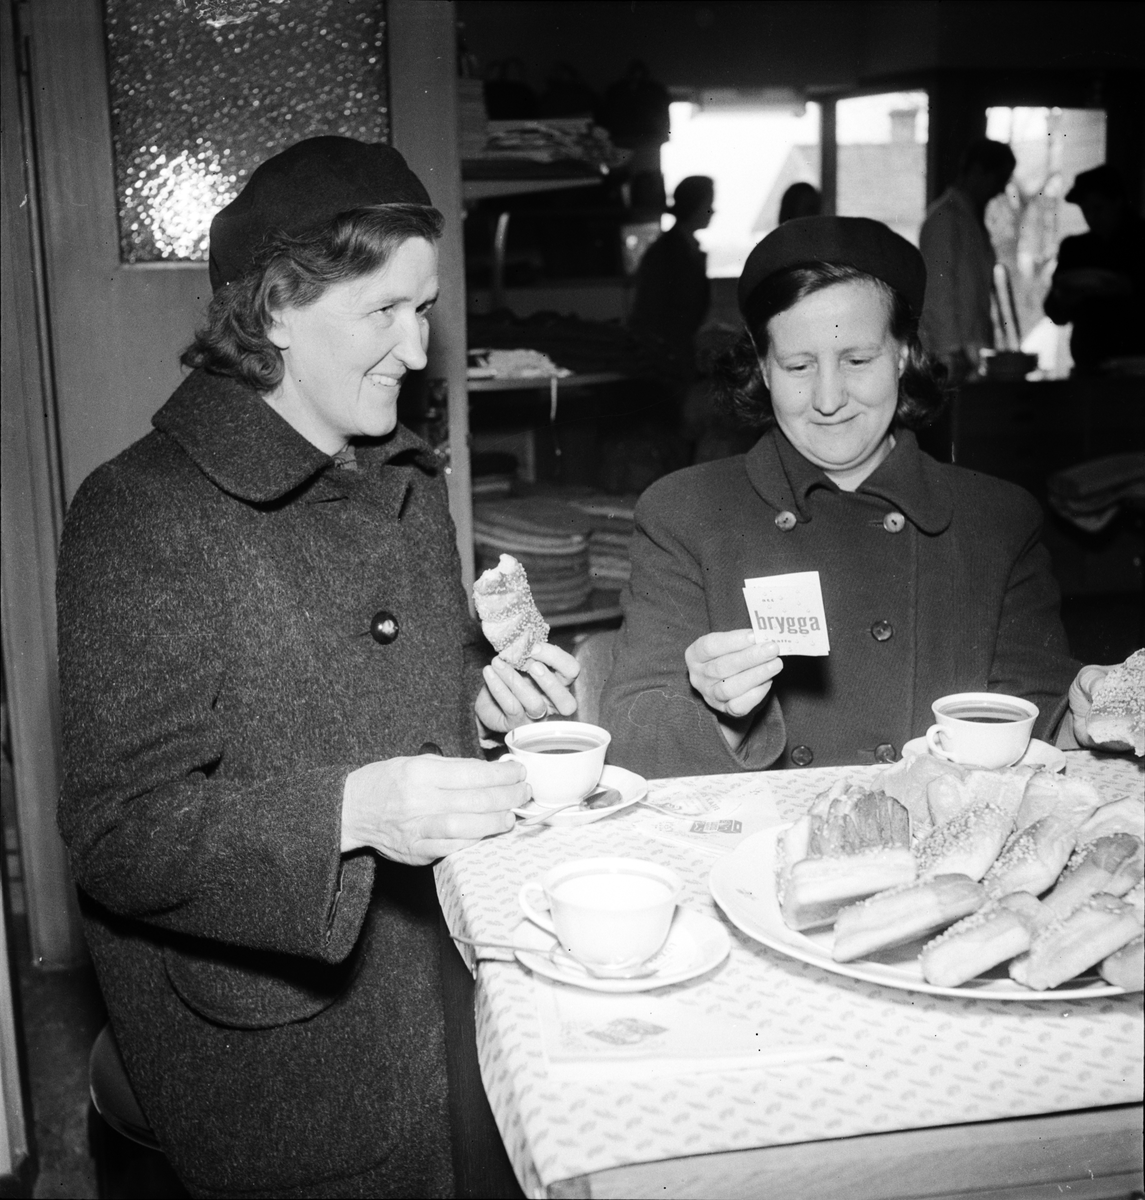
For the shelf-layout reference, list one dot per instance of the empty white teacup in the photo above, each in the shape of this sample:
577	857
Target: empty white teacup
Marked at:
562	759
981	729
608	913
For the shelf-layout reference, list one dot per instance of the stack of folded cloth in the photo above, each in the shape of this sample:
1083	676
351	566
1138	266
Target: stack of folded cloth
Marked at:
611	521
548	537
1091	494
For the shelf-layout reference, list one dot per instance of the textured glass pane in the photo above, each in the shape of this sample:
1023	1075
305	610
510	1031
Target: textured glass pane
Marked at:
202	91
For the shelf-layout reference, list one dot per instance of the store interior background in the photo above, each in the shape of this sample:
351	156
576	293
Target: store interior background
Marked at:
893	89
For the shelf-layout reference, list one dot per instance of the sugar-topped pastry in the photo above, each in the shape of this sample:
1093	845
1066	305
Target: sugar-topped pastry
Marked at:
509	618
1118	712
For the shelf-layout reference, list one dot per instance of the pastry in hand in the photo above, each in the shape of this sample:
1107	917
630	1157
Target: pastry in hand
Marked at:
1125	968
903	914
1113	864
1075	943
509	618
994	934
1117	714
968	844
1032	859
851	844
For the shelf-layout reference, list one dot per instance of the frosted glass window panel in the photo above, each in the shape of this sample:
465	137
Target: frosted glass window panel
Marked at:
881	159
753	155
1028	222
202	91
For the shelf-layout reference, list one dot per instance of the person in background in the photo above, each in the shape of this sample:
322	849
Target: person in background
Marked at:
956	323
800	200
672	289
1099	283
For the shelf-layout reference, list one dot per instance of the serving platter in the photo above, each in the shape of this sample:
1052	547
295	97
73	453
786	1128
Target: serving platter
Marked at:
743	885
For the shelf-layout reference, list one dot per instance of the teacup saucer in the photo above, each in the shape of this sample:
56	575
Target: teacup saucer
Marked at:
696	943
1038	754
632	787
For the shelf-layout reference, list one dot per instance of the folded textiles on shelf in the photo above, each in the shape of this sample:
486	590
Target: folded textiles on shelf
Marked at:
513	364
586	347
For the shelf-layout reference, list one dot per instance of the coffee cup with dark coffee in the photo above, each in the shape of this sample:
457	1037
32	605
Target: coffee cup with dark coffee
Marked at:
981	729
563	760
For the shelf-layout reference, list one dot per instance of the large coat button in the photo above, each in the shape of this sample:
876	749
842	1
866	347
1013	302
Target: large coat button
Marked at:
384	627
429	748
894	522
885	753
785	521
882	631
802	756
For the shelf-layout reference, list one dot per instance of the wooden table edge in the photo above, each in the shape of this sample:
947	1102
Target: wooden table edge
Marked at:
1094	1153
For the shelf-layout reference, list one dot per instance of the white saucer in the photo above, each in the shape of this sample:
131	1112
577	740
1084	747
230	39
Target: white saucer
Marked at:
1038	754
632	787
695	944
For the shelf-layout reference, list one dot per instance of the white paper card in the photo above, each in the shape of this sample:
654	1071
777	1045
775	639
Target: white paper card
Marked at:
788	610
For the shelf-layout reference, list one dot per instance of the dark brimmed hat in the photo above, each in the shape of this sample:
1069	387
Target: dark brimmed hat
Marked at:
304	187
868	246
1104	180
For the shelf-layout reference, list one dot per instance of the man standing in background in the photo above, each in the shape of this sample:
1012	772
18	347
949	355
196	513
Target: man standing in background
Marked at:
1099	283
956	324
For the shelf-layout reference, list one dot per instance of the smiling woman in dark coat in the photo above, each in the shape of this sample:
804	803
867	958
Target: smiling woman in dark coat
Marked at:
272	698
934	578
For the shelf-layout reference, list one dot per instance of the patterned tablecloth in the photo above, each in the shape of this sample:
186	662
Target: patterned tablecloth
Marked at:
913	1060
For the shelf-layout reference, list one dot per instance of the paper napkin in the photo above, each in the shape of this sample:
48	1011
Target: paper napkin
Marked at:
589	1035
788	610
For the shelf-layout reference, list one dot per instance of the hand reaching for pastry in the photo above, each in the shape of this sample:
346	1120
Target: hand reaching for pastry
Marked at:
511	697
1080	703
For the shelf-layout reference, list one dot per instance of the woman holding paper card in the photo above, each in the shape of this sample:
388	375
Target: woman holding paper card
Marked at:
933	578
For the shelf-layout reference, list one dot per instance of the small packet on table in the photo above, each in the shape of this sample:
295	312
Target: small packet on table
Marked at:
788	610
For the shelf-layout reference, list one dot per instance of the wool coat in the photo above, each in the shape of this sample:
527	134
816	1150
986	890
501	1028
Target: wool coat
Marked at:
934	581
277	1003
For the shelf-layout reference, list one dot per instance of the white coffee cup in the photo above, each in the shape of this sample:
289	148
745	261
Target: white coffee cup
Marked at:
606	912
981	729
562	759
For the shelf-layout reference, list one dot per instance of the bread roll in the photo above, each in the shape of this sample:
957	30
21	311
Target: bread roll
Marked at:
509	618
1113	864
1049	794
1125	968
851	844
966	845
1075	943
1117	715
903	914
1122	816
1032	859
995	933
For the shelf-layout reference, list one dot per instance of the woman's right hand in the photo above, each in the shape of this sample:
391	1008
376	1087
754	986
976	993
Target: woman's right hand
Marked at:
417	810
732	672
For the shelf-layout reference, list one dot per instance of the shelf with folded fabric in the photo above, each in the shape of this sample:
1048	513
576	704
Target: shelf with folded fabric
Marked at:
544	383
483	178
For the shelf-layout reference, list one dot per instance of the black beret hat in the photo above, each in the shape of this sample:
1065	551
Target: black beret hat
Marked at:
303	187
1104	181
868	246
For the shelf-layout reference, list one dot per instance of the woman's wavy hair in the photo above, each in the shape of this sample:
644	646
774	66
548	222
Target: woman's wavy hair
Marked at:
296	270
736	370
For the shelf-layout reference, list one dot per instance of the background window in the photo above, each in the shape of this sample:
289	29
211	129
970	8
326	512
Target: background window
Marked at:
1029	220
881	159
754	154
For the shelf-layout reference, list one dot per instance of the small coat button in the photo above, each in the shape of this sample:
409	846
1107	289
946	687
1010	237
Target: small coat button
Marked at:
384	627
882	631
802	756
429	748
894	522
885	753
785	521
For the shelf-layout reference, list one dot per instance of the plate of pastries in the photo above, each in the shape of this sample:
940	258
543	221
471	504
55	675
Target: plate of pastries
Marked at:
1017	884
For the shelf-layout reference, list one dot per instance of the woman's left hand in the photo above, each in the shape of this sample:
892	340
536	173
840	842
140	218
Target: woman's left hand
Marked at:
511	698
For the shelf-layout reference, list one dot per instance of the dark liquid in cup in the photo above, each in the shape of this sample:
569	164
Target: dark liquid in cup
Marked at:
558	745
983	715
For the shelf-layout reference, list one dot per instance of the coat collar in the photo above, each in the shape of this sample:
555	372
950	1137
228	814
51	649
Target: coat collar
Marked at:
245	448
907	479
